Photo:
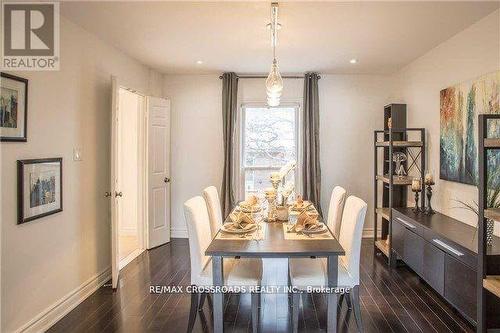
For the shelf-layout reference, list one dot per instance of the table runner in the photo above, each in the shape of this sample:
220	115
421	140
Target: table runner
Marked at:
300	236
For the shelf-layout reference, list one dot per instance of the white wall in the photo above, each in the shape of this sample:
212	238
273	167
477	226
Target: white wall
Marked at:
351	107
468	55
44	260
196	139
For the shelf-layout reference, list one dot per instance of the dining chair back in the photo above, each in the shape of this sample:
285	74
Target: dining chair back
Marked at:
198	227
211	196
247	271
335	210
351	232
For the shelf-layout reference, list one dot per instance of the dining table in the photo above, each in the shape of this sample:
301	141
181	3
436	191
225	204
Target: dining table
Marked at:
274	242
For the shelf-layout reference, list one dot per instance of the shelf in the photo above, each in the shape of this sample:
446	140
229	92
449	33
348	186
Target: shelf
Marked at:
383	246
492	143
384	212
400	144
492	213
492	284
405	180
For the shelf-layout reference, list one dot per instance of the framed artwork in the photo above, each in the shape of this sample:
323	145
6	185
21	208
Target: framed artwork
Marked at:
459	107
39	188
13	108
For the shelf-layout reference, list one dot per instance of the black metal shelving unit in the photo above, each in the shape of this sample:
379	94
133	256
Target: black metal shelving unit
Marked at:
488	272
395	138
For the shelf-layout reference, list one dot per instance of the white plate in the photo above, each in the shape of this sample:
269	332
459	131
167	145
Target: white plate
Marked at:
246	210
305	207
315	231
238	231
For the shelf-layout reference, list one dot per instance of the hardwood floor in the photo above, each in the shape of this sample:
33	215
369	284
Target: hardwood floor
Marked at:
391	301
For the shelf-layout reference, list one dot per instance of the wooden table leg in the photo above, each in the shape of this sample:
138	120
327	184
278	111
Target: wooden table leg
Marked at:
217	272
332	297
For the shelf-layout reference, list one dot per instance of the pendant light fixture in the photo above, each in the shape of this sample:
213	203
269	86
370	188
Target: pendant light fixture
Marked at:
274	81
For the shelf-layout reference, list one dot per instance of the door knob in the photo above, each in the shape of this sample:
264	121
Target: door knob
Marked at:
166	180
107	194
118	194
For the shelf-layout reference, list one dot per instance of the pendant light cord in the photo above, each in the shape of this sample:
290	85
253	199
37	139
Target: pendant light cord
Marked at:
274	28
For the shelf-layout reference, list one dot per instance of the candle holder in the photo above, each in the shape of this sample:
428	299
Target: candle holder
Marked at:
271	206
416	209
428	193
416	187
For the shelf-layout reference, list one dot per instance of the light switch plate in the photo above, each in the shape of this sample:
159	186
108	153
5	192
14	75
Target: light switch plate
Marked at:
77	154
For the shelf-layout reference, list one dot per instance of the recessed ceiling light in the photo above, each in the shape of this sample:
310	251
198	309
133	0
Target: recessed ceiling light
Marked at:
353	61
199	62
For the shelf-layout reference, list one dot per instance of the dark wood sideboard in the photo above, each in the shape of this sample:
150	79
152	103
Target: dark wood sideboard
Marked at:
443	252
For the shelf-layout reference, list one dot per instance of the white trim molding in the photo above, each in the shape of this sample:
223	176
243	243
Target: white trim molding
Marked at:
128	259
63	306
178	232
368	233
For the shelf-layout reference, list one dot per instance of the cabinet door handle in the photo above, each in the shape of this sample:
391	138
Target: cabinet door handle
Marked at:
409	225
447	247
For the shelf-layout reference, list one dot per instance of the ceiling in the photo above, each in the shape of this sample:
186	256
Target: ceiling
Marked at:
316	36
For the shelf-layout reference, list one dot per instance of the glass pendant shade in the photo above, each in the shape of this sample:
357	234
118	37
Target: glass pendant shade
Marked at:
273	94
273	101
274	82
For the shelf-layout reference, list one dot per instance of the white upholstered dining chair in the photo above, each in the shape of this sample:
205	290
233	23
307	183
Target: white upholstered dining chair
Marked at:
335	210
241	272
211	197
306	272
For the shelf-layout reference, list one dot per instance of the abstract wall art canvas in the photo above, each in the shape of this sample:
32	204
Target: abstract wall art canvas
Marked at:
460	105
39	188
13	108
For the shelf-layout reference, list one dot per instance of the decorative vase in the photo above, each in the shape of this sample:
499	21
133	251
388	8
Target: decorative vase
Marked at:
270	195
490	225
282	213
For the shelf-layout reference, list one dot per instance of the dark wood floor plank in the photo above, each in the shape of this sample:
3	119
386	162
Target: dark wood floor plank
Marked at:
392	300
386	276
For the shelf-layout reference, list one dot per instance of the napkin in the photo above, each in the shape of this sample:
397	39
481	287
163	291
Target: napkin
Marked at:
250	203
240	220
307	222
300	204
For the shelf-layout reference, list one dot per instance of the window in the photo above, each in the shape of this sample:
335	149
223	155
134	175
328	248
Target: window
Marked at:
269	141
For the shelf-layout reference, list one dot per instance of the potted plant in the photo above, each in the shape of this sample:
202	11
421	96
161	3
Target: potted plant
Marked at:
492	201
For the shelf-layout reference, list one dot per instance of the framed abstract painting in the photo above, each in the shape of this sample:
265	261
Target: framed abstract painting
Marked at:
13	108
459	106
39	191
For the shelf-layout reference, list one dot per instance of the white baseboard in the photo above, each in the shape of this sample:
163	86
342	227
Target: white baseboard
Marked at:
178	233
62	307
128	259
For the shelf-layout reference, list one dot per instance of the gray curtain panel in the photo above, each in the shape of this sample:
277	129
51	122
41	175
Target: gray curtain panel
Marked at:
229	112
311	169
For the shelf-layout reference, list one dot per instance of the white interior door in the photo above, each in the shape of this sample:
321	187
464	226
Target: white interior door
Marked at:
158	171
115	193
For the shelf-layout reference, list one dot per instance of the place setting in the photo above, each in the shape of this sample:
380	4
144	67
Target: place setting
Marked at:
244	221
304	223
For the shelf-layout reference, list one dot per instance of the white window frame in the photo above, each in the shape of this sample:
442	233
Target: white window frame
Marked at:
297	105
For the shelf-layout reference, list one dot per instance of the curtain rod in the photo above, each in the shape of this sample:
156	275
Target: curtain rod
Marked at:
265	77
